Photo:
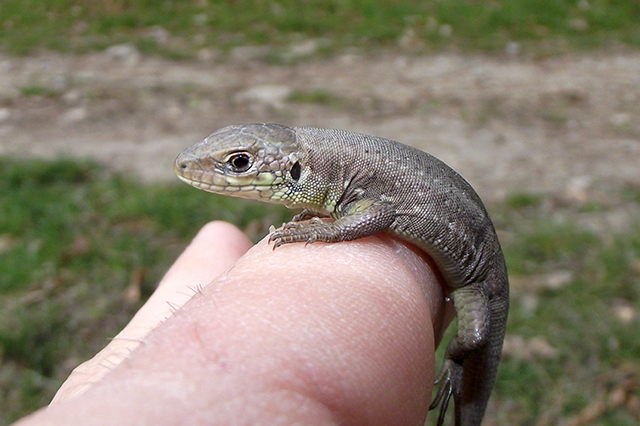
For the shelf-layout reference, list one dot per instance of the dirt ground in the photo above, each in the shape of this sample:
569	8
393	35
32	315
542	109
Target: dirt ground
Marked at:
567	126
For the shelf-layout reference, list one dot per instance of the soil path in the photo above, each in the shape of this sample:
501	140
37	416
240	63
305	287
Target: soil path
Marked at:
560	125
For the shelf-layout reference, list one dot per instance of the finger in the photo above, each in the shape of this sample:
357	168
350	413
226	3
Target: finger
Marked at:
322	334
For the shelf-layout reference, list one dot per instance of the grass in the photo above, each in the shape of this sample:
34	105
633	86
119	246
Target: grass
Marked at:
178	28
39	90
74	238
318	96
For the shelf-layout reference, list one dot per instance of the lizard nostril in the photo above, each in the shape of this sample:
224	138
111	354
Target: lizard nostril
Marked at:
181	165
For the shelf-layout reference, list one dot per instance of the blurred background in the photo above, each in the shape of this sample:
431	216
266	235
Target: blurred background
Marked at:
536	103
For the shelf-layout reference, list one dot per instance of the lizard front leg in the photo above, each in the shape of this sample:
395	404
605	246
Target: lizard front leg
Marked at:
355	220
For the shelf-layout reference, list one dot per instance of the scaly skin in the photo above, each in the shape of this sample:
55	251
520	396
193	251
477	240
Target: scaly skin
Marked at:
371	185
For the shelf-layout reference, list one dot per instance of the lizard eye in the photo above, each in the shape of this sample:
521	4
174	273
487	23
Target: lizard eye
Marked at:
239	162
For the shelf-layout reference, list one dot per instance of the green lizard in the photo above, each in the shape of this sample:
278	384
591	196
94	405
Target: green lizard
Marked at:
371	185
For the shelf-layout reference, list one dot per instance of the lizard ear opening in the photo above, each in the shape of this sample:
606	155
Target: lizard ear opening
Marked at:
295	171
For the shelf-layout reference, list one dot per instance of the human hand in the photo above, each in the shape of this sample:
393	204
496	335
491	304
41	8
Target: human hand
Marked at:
319	334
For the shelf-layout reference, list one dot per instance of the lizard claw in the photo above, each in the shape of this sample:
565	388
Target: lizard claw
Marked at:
450	381
313	221
280	238
292	225
299	232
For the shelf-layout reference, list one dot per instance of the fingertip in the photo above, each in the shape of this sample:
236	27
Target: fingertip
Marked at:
216	247
223	237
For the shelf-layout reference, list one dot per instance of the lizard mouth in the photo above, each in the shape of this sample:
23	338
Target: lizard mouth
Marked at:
246	190
223	188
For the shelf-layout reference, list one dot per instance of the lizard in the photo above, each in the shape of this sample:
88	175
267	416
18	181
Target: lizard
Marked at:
369	185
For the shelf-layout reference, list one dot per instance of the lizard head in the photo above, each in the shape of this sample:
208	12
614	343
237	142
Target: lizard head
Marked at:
257	161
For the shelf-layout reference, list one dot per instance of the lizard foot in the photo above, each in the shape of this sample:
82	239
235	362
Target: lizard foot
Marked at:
450	381
313	230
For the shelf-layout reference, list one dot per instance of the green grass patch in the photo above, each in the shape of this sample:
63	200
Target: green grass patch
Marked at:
549	27
319	96
39	90
632	193
521	200
550	246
